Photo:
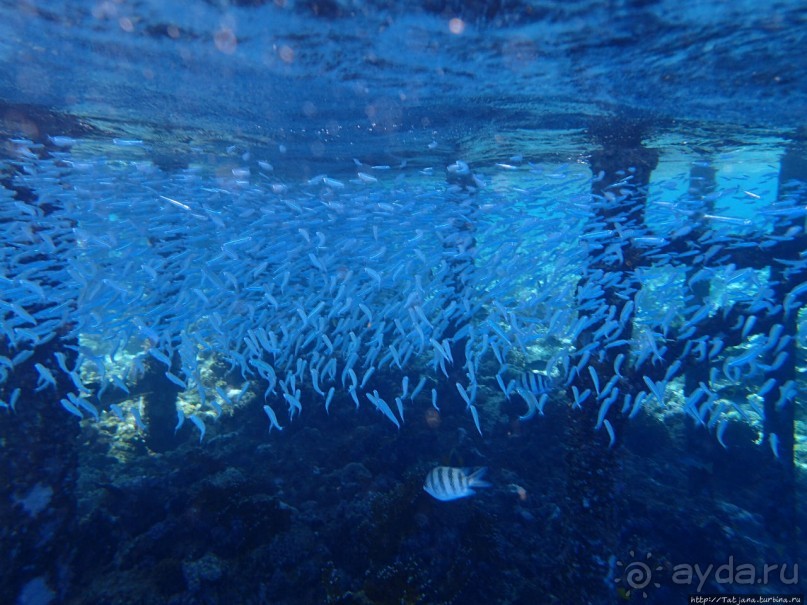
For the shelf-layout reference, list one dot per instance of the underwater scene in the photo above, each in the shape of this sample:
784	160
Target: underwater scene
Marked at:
364	302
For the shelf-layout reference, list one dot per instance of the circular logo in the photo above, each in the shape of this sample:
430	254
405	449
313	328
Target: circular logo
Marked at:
638	575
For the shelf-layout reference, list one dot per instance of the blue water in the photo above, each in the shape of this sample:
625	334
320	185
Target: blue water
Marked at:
267	265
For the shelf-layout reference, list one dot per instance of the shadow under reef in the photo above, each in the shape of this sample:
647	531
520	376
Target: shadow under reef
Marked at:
331	509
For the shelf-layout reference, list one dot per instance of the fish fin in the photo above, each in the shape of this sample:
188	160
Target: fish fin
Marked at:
475	478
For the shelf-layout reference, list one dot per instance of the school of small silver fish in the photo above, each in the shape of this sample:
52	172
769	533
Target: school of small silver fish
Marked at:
311	289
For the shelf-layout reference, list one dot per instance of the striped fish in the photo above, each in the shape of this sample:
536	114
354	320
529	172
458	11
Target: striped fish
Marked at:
449	483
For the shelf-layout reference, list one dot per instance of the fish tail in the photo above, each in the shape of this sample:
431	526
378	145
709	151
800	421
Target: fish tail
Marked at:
475	478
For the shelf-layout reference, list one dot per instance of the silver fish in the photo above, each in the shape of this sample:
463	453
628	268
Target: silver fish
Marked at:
449	483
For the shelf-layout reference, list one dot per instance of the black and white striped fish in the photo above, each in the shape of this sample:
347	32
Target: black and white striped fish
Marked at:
449	483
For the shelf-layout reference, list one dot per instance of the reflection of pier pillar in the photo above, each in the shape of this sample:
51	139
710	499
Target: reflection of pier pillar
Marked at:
460	250
702	184
780	418
622	170
38	470
159	406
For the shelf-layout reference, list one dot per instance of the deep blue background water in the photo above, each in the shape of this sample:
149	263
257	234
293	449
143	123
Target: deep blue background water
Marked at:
168	99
